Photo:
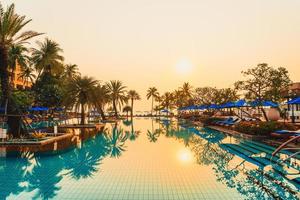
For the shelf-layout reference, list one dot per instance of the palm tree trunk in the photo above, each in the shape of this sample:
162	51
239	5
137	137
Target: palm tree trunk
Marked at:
14	120
131	108
102	113
152	107
115	108
82	115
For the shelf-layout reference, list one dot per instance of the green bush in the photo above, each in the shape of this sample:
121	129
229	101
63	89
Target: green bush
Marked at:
262	128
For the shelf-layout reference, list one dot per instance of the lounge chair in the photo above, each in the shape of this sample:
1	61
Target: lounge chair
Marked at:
235	121
285	133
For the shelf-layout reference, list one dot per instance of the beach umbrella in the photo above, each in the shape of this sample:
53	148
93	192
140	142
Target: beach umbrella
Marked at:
294	101
241	103
202	107
263	103
213	106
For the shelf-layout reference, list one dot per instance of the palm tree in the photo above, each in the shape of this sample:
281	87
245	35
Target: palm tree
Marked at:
187	92
71	71
117	92
11	25
152	93
133	95
80	93
178	94
27	75
101	98
17	55
47	57
167	100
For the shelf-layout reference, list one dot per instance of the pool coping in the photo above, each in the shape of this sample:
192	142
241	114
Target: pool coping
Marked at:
38	143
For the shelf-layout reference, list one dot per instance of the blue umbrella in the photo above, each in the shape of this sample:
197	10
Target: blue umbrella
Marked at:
213	106
39	109
202	107
165	111
294	101
241	103
263	103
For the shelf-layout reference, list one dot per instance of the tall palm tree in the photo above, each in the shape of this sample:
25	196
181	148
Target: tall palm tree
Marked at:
47	57
167	100
27	75
17	54
71	71
133	95
80	93
187	92
152	93
101	98
11	25
117	92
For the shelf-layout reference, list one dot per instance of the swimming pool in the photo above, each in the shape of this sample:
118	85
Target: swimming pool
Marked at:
152	159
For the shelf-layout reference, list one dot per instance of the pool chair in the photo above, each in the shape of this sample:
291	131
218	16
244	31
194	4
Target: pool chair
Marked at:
285	133
234	122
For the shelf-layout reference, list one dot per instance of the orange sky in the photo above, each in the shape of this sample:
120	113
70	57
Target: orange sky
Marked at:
142	42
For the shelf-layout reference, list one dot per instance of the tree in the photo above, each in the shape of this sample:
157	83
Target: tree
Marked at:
71	71
17	55
48	91
133	95
117	92
264	83
27	75
167	100
152	93
47	57
80	93
11	25
187	93
101	98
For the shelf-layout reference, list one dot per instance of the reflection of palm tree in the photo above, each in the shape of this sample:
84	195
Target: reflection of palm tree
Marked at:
153	136
45	176
16	172
84	162
117	142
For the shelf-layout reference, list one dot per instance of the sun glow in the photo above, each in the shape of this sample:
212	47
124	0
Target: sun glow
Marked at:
184	66
185	156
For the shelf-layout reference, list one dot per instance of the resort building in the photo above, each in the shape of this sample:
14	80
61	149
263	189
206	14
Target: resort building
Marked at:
293	91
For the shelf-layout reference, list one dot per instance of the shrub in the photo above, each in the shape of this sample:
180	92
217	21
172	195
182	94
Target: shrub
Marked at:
262	128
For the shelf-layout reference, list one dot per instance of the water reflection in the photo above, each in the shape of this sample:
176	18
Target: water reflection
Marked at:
246	175
42	176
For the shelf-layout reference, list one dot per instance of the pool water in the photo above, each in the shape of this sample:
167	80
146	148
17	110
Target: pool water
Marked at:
153	159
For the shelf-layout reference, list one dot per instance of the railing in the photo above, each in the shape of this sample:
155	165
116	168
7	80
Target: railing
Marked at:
296	150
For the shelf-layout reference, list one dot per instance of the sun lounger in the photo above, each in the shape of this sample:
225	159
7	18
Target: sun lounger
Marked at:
285	133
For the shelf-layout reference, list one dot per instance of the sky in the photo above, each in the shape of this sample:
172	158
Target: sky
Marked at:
164	43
